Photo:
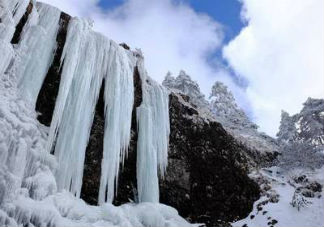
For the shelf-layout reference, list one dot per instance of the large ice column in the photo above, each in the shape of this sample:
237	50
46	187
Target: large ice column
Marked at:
153	137
17	8
84	64
7	29
36	50
119	99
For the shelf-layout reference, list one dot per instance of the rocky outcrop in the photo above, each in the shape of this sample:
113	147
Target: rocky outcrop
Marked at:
260	149
47	96
206	178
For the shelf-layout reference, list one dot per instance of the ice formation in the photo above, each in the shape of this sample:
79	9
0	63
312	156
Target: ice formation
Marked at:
87	60
119	98
83	57
36	49
152	145
41	168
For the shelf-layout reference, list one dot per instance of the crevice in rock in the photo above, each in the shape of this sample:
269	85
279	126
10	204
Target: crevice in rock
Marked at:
92	171
47	96
16	37
94	153
127	183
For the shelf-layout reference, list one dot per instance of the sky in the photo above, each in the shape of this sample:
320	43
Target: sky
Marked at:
270	53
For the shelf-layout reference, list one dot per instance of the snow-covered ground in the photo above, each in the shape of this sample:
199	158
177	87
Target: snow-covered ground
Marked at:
64	210
282	213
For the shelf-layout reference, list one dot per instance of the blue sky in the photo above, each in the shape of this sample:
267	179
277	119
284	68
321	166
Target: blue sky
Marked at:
226	12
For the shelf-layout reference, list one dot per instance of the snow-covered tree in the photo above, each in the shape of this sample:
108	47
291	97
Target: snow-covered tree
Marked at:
185	85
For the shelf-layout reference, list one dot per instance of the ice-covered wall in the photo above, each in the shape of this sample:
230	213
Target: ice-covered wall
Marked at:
28	43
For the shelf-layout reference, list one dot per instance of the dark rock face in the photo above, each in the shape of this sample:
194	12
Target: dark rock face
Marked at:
206	178
16	37
47	96
126	189
93	156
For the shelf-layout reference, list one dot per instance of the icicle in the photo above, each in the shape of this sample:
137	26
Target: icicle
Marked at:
7	26
84	57
7	29
119	99
6	55
36	50
14	8
146	166
153	137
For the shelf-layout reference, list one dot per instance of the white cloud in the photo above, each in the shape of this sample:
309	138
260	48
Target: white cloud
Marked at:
281	53
171	35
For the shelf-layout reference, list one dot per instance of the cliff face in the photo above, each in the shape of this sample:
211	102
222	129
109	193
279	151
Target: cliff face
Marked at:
206	177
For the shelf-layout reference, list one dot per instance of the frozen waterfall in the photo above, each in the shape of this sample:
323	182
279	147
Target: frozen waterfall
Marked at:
88	59
119	99
153	137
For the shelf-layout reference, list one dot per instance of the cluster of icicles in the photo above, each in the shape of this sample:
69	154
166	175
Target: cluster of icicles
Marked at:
88	59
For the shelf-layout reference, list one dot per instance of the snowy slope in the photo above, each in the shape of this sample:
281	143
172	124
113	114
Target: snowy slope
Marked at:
282	213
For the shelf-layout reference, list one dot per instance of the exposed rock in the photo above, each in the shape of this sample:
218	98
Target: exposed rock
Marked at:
215	164
47	96
21	24
314	186
261	149
125	46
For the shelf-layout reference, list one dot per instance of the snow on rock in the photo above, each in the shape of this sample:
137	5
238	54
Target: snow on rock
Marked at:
187	86
222	107
234	119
